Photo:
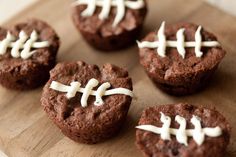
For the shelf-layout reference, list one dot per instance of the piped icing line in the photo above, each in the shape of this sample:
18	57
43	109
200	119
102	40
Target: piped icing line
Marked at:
15	51
106	8
165	127
181	135
5	42
180	42
198	39
198	133
22	46
88	90
161	49
161	43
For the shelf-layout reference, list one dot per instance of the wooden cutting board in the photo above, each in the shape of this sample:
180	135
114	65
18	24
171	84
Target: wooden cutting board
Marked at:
25	130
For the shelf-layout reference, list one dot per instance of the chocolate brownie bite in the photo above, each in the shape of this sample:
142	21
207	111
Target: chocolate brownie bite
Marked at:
88	104
182	130
109	24
180	58
27	53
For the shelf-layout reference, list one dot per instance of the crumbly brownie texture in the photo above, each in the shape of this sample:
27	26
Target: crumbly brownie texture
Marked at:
153	146
90	124
100	33
174	74
20	74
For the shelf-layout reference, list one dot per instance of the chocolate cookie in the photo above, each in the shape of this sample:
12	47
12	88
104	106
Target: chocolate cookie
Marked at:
109	24
182	130
88	104
27	53
180	58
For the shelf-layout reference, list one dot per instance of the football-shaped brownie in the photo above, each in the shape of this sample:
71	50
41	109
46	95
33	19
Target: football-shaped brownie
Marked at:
180	58
109	24
88	104
182	130
27	53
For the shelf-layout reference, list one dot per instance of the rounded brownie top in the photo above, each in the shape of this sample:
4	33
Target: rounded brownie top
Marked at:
132	19
42	56
70	111
152	145
173	64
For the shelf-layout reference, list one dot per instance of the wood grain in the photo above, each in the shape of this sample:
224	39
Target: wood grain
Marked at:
25	130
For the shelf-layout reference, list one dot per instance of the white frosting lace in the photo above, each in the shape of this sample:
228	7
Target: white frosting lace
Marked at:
24	43
106	7
88	90
198	133
180	44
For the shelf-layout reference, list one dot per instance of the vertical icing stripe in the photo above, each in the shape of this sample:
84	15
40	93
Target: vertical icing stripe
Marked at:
4	44
198	134
181	135
165	133
198	39
89	11
120	12
25	53
105	10
100	92
74	87
162	40
88	88
15	52
180	42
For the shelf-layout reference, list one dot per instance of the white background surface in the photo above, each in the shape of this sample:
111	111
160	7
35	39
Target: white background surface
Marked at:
226	5
9	8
